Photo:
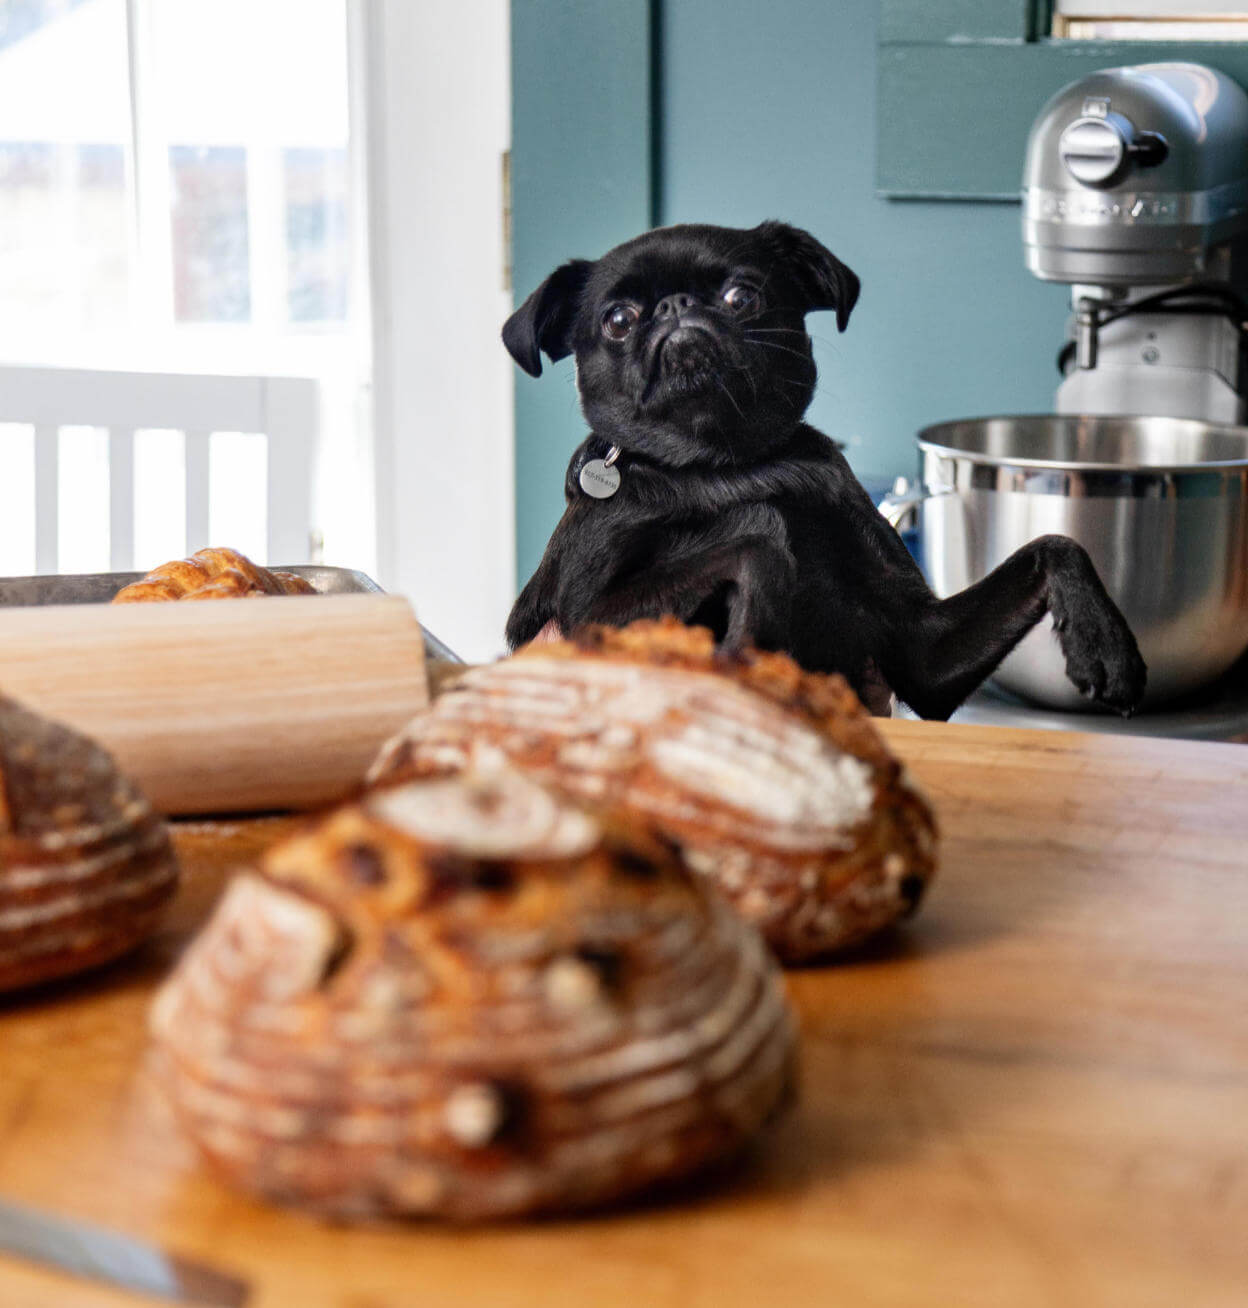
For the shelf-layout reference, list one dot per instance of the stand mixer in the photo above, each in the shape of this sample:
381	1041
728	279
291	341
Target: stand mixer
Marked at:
1135	193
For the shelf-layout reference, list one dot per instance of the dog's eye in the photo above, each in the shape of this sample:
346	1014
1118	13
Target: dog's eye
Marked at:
738	298
619	321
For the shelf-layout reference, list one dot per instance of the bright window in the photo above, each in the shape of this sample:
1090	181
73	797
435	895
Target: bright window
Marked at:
184	165
1151	20
64	129
177	194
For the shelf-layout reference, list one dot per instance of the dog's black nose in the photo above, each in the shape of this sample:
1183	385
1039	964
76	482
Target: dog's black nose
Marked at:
674	305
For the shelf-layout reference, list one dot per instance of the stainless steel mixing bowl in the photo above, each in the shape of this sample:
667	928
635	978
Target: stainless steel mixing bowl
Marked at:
1161	505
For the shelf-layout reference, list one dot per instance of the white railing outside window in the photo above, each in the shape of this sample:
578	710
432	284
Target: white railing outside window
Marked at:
109	452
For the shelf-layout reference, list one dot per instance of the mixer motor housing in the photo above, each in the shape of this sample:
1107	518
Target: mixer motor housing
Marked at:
1135	193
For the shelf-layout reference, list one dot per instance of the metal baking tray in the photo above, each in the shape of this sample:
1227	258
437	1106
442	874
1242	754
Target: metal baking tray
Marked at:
100	587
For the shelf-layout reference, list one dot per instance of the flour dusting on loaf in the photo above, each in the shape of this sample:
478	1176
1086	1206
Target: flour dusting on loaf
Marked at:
773	781
522	820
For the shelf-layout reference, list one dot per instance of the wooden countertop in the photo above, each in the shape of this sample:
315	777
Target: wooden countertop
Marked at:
1034	1094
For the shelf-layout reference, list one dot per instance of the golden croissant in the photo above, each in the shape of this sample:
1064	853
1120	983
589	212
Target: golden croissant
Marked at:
211	574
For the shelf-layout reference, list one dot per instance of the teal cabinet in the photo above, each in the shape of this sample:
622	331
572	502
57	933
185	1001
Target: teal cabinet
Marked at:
960	82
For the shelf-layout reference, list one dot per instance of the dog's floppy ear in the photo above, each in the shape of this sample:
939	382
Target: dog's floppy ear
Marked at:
544	320
826	282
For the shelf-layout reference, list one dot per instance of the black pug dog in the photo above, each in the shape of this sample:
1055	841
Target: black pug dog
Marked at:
700	492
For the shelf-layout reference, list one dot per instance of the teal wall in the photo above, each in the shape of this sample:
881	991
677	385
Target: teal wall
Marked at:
753	111
582	180
770	111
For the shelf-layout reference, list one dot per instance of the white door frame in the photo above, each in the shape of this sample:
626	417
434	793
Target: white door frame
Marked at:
432	105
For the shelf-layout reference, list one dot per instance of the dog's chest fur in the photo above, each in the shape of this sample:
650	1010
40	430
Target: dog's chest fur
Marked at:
659	515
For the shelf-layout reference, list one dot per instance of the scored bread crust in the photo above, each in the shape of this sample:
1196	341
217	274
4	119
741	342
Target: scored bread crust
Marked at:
215	573
773	781
86	865
465	998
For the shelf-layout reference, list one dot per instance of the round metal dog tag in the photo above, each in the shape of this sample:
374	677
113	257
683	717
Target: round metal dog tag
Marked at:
600	477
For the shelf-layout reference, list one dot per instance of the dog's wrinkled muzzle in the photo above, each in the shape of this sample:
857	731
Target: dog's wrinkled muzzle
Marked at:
682	347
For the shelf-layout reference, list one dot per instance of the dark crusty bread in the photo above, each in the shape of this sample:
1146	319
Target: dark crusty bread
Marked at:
85	863
466	998
773	781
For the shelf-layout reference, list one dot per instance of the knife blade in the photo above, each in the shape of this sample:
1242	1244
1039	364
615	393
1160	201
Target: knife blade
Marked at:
98	1254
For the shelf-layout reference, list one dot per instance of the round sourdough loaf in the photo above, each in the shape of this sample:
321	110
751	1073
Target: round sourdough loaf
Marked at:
85	863
773	781
466	998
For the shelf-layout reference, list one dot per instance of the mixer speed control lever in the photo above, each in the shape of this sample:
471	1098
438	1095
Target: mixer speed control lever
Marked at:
1148	149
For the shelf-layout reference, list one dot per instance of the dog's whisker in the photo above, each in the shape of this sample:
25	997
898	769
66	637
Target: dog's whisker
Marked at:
775	331
737	365
728	393
784	349
757	333
828	341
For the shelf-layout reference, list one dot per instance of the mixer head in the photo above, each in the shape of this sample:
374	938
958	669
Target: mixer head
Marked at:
1137	176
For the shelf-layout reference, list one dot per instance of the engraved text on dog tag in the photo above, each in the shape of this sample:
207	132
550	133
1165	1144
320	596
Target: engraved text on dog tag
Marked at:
600	477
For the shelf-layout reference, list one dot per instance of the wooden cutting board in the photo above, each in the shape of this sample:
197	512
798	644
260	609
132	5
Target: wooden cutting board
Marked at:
1033	1095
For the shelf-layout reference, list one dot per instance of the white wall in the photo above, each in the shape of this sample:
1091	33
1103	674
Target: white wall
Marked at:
437	105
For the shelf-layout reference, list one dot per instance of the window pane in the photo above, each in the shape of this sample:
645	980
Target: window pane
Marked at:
317	250
251	101
233	72
64	129
1150	8
1150	20
1105	29
210	277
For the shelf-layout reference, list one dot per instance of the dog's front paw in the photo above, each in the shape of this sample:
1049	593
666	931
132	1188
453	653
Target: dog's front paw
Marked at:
1102	659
